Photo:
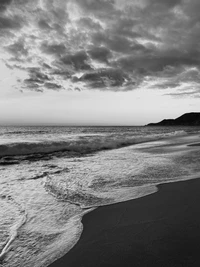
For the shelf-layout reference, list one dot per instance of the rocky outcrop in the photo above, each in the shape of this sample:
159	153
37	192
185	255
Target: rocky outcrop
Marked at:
187	119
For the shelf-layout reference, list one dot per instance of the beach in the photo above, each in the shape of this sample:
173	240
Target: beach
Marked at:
100	133
127	181
161	229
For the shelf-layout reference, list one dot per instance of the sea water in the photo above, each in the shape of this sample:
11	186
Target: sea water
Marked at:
51	176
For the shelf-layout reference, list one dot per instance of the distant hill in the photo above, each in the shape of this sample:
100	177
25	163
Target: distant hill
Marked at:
187	119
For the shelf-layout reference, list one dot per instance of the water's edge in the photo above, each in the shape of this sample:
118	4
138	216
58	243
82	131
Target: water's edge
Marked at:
146	190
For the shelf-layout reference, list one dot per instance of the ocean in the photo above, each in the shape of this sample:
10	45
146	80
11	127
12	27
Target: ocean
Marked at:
51	176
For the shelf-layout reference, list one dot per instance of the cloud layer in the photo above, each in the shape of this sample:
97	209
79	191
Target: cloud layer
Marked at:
103	44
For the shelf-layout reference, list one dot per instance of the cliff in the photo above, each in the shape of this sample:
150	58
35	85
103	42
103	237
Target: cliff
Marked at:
188	119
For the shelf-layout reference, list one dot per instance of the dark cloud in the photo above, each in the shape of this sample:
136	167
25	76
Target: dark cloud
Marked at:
65	74
32	86
55	49
105	78
78	61
43	24
125	27
165	3
36	74
32	81
113	42
186	75
101	54
46	66
89	23
105	44
10	23
18	49
37	79
153	63
53	86
118	42
97	5
4	4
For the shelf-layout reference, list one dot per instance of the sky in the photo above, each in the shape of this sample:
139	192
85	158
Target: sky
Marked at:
98	62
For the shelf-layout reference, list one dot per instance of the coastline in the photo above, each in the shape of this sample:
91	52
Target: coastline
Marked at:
160	229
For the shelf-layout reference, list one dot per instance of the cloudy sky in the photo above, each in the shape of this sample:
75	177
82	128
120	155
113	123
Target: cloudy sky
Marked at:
122	62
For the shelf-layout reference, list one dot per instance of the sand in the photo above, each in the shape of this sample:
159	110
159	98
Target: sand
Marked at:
162	229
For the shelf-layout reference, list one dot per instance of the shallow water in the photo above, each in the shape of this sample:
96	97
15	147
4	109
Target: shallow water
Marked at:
43	197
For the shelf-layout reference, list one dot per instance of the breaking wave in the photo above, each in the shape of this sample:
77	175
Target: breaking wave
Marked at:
82	145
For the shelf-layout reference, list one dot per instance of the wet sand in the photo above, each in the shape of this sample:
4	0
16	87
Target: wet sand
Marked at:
158	230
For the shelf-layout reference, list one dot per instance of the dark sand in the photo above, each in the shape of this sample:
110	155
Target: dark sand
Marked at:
162	229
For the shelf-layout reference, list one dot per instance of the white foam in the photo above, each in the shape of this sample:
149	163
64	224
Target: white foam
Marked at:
13	234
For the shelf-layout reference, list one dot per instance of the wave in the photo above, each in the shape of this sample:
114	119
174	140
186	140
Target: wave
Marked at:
81	146
75	196
31	132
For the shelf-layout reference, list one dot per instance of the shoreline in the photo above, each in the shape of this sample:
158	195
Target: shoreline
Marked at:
160	229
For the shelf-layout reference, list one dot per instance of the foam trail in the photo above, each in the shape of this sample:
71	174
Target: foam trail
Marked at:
13	234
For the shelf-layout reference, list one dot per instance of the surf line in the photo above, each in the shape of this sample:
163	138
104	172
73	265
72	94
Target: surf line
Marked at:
13	235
